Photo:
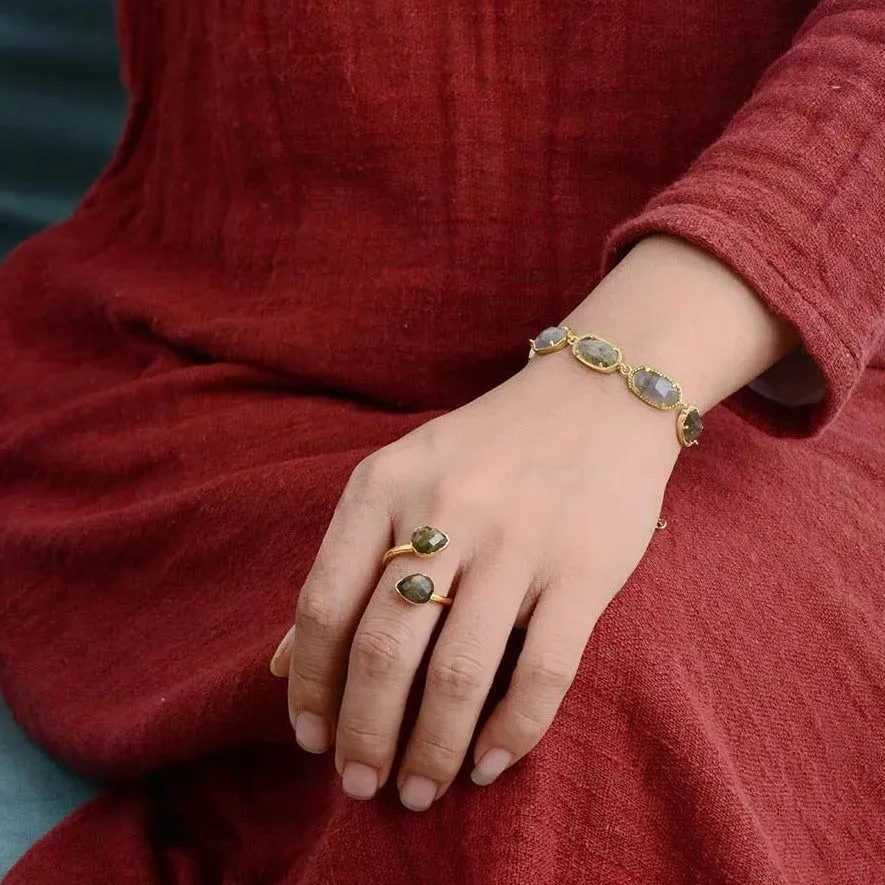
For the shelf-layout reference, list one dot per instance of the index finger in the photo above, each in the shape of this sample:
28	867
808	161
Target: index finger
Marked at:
329	607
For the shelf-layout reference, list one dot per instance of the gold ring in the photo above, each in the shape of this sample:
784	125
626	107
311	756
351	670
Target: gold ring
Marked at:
418	589
426	541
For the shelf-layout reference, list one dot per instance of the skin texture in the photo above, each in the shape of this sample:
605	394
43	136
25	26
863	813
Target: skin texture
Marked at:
521	508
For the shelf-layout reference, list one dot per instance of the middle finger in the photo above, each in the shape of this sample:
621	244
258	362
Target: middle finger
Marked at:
386	653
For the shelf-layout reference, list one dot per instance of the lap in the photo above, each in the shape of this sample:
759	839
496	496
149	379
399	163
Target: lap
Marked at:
721	709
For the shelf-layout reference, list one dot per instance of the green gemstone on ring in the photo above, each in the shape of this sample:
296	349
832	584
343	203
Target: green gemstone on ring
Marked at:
428	540
415	588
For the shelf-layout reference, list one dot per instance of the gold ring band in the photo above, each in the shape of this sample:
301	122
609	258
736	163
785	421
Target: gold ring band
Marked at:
417	589
425	541
396	551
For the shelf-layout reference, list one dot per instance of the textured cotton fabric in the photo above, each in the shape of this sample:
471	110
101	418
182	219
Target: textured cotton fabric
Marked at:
330	222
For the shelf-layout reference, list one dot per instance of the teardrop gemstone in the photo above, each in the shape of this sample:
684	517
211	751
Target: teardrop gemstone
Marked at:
654	388
428	540
415	588
597	353
551	338
690	426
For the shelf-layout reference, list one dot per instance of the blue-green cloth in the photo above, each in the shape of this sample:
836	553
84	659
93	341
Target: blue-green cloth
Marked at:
61	108
61	111
35	792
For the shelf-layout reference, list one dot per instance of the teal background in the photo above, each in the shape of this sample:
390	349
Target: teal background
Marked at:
61	111
61	108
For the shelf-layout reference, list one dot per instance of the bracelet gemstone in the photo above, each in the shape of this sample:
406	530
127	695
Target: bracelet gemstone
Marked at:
551	339
597	353
653	387
689	426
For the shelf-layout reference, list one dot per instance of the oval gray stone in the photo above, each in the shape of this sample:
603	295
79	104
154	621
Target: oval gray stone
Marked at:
596	353
550	337
654	388
415	588
428	540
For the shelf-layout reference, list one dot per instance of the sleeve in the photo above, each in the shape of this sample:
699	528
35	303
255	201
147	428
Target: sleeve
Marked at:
792	198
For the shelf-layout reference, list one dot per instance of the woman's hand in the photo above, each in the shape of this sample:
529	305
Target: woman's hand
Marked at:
549	487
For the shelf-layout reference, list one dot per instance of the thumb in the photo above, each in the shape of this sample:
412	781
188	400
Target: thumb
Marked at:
279	663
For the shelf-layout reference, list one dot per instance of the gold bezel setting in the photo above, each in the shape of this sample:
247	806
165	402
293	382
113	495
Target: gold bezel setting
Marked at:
446	541
603	370
551	348
681	428
663	407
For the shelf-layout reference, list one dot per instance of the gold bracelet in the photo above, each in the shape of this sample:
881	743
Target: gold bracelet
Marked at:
654	388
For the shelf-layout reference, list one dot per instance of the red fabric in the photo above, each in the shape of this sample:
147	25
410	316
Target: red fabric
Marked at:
328	222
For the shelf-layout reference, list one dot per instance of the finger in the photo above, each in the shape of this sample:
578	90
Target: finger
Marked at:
387	650
329	607
462	668
555	641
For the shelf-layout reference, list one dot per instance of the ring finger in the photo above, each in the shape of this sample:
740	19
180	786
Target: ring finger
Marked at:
464	662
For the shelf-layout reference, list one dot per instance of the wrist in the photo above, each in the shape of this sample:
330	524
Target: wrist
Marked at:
559	387
675	307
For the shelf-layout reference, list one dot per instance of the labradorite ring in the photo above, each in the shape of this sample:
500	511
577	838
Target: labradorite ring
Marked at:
425	541
418	589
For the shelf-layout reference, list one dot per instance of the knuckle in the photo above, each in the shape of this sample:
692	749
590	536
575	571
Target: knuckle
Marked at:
374	474
309	677
526	724
321	586
498	536
376	649
355	733
310	683
306	687
549	672
434	755
460	676
316	611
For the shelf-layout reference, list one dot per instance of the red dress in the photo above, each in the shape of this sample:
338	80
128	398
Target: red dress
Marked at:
331	220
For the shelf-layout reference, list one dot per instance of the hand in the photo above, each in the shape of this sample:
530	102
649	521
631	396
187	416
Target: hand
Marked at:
549	487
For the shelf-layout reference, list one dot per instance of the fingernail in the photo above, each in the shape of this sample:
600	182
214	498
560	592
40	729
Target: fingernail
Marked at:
493	762
418	793
312	733
274	661
359	781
